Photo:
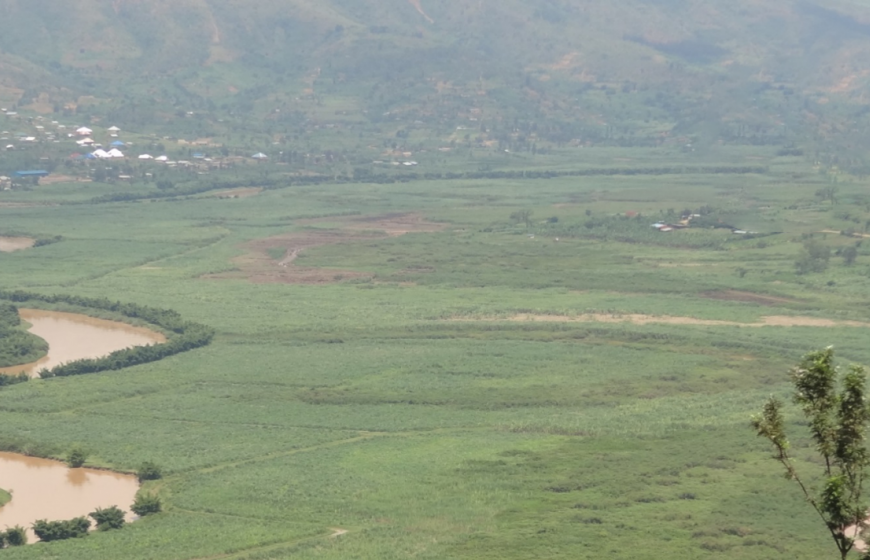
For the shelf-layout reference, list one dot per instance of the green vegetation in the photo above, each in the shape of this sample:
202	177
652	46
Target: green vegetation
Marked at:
440	322
149	471
146	504
108	518
16	345
48	531
472	388
14	536
5	497
838	421
76	457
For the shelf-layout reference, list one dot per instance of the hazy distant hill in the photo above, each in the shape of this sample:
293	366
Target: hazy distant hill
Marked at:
690	63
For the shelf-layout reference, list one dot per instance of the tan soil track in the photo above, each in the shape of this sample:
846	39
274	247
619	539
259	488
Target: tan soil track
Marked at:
245	192
258	266
419	7
54	179
748	297
638	319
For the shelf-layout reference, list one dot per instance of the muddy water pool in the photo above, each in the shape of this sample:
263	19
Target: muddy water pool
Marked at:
45	489
72	336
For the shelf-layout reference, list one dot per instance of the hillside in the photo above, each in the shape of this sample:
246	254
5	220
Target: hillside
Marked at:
779	71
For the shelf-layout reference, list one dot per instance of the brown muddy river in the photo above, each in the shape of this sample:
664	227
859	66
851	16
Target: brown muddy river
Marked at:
9	244
71	336
43	489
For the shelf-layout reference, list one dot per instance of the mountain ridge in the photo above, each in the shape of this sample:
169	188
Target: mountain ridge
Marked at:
794	63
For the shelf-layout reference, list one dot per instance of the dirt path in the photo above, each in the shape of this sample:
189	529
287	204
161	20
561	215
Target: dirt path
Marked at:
244	192
855	234
258	266
419	6
639	319
290	257
337	532
748	297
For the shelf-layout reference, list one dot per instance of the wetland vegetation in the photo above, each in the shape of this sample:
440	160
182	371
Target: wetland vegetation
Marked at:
438	378
437	279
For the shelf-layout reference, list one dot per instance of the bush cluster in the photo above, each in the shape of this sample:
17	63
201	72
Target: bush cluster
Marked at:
48	531
14	536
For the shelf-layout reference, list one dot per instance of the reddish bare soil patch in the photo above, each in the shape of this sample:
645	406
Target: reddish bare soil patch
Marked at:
258	265
54	179
747	297
238	193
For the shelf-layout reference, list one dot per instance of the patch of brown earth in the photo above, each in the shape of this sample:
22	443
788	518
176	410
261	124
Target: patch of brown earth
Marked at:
257	264
639	319
22	205
10	244
54	179
747	297
246	192
419	7
853	234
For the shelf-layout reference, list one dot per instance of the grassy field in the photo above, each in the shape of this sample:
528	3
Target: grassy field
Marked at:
479	389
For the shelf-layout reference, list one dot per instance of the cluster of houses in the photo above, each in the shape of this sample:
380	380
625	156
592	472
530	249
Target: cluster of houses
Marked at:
687	220
84	139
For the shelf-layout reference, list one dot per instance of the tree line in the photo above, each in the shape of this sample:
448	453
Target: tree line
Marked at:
186	335
362	175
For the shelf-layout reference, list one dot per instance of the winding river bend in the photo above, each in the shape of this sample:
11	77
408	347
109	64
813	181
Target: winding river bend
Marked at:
72	336
44	489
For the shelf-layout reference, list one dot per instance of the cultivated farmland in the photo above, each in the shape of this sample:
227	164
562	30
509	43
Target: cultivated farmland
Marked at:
464	368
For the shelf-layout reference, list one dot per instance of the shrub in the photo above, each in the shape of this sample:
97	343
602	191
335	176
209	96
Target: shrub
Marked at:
48	531
15	536
145	504
109	518
149	471
76	457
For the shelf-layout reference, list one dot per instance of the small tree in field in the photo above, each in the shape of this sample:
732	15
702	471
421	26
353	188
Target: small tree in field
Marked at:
838	420
145	504
76	457
108	518
149	471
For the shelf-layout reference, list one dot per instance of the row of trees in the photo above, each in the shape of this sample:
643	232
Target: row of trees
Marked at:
186	336
107	519
363	175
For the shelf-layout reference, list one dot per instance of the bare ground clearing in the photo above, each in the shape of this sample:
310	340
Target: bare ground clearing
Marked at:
54	179
257	264
639	319
747	297
23	204
245	192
